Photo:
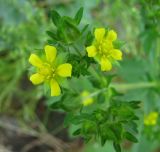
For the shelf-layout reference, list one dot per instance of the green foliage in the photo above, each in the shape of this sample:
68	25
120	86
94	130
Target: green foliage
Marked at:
110	118
67	30
69	37
22	28
114	123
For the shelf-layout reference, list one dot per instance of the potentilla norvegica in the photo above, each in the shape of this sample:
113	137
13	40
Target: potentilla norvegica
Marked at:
47	71
102	48
92	112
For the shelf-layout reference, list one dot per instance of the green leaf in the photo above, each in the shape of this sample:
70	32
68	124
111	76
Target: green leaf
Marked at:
89	38
68	30
107	133
55	105
117	129
103	140
130	137
52	35
135	104
55	17
131	127
53	100
87	139
79	15
80	65
118	44
68	119
117	147
84	28
51	42
77	132
114	92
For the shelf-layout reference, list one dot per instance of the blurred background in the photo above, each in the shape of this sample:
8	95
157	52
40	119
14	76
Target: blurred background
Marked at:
26	124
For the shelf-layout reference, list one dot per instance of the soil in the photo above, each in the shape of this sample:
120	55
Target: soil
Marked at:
15	138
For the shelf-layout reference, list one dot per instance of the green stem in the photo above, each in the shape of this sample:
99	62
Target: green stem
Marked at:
132	86
125	87
95	93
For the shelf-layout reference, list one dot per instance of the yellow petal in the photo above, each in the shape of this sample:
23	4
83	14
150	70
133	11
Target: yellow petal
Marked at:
105	64
116	54
55	88
146	122
91	50
112	35
64	70
153	122
154	115
36	78
35	60
99	33
51	53
151	119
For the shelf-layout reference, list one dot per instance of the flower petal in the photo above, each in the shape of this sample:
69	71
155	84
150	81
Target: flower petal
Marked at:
55	88
99	33
116	54
51	53
64	70
36	78
91	50
105	64
146	122
112	35
35	60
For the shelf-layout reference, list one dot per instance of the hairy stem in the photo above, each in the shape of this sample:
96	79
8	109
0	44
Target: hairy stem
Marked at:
132	86
125	87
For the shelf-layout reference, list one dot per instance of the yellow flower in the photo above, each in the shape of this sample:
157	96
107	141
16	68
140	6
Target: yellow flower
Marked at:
86	100
103	49
47	70
151	119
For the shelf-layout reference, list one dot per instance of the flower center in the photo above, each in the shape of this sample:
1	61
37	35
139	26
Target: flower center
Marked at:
105	47
47	71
